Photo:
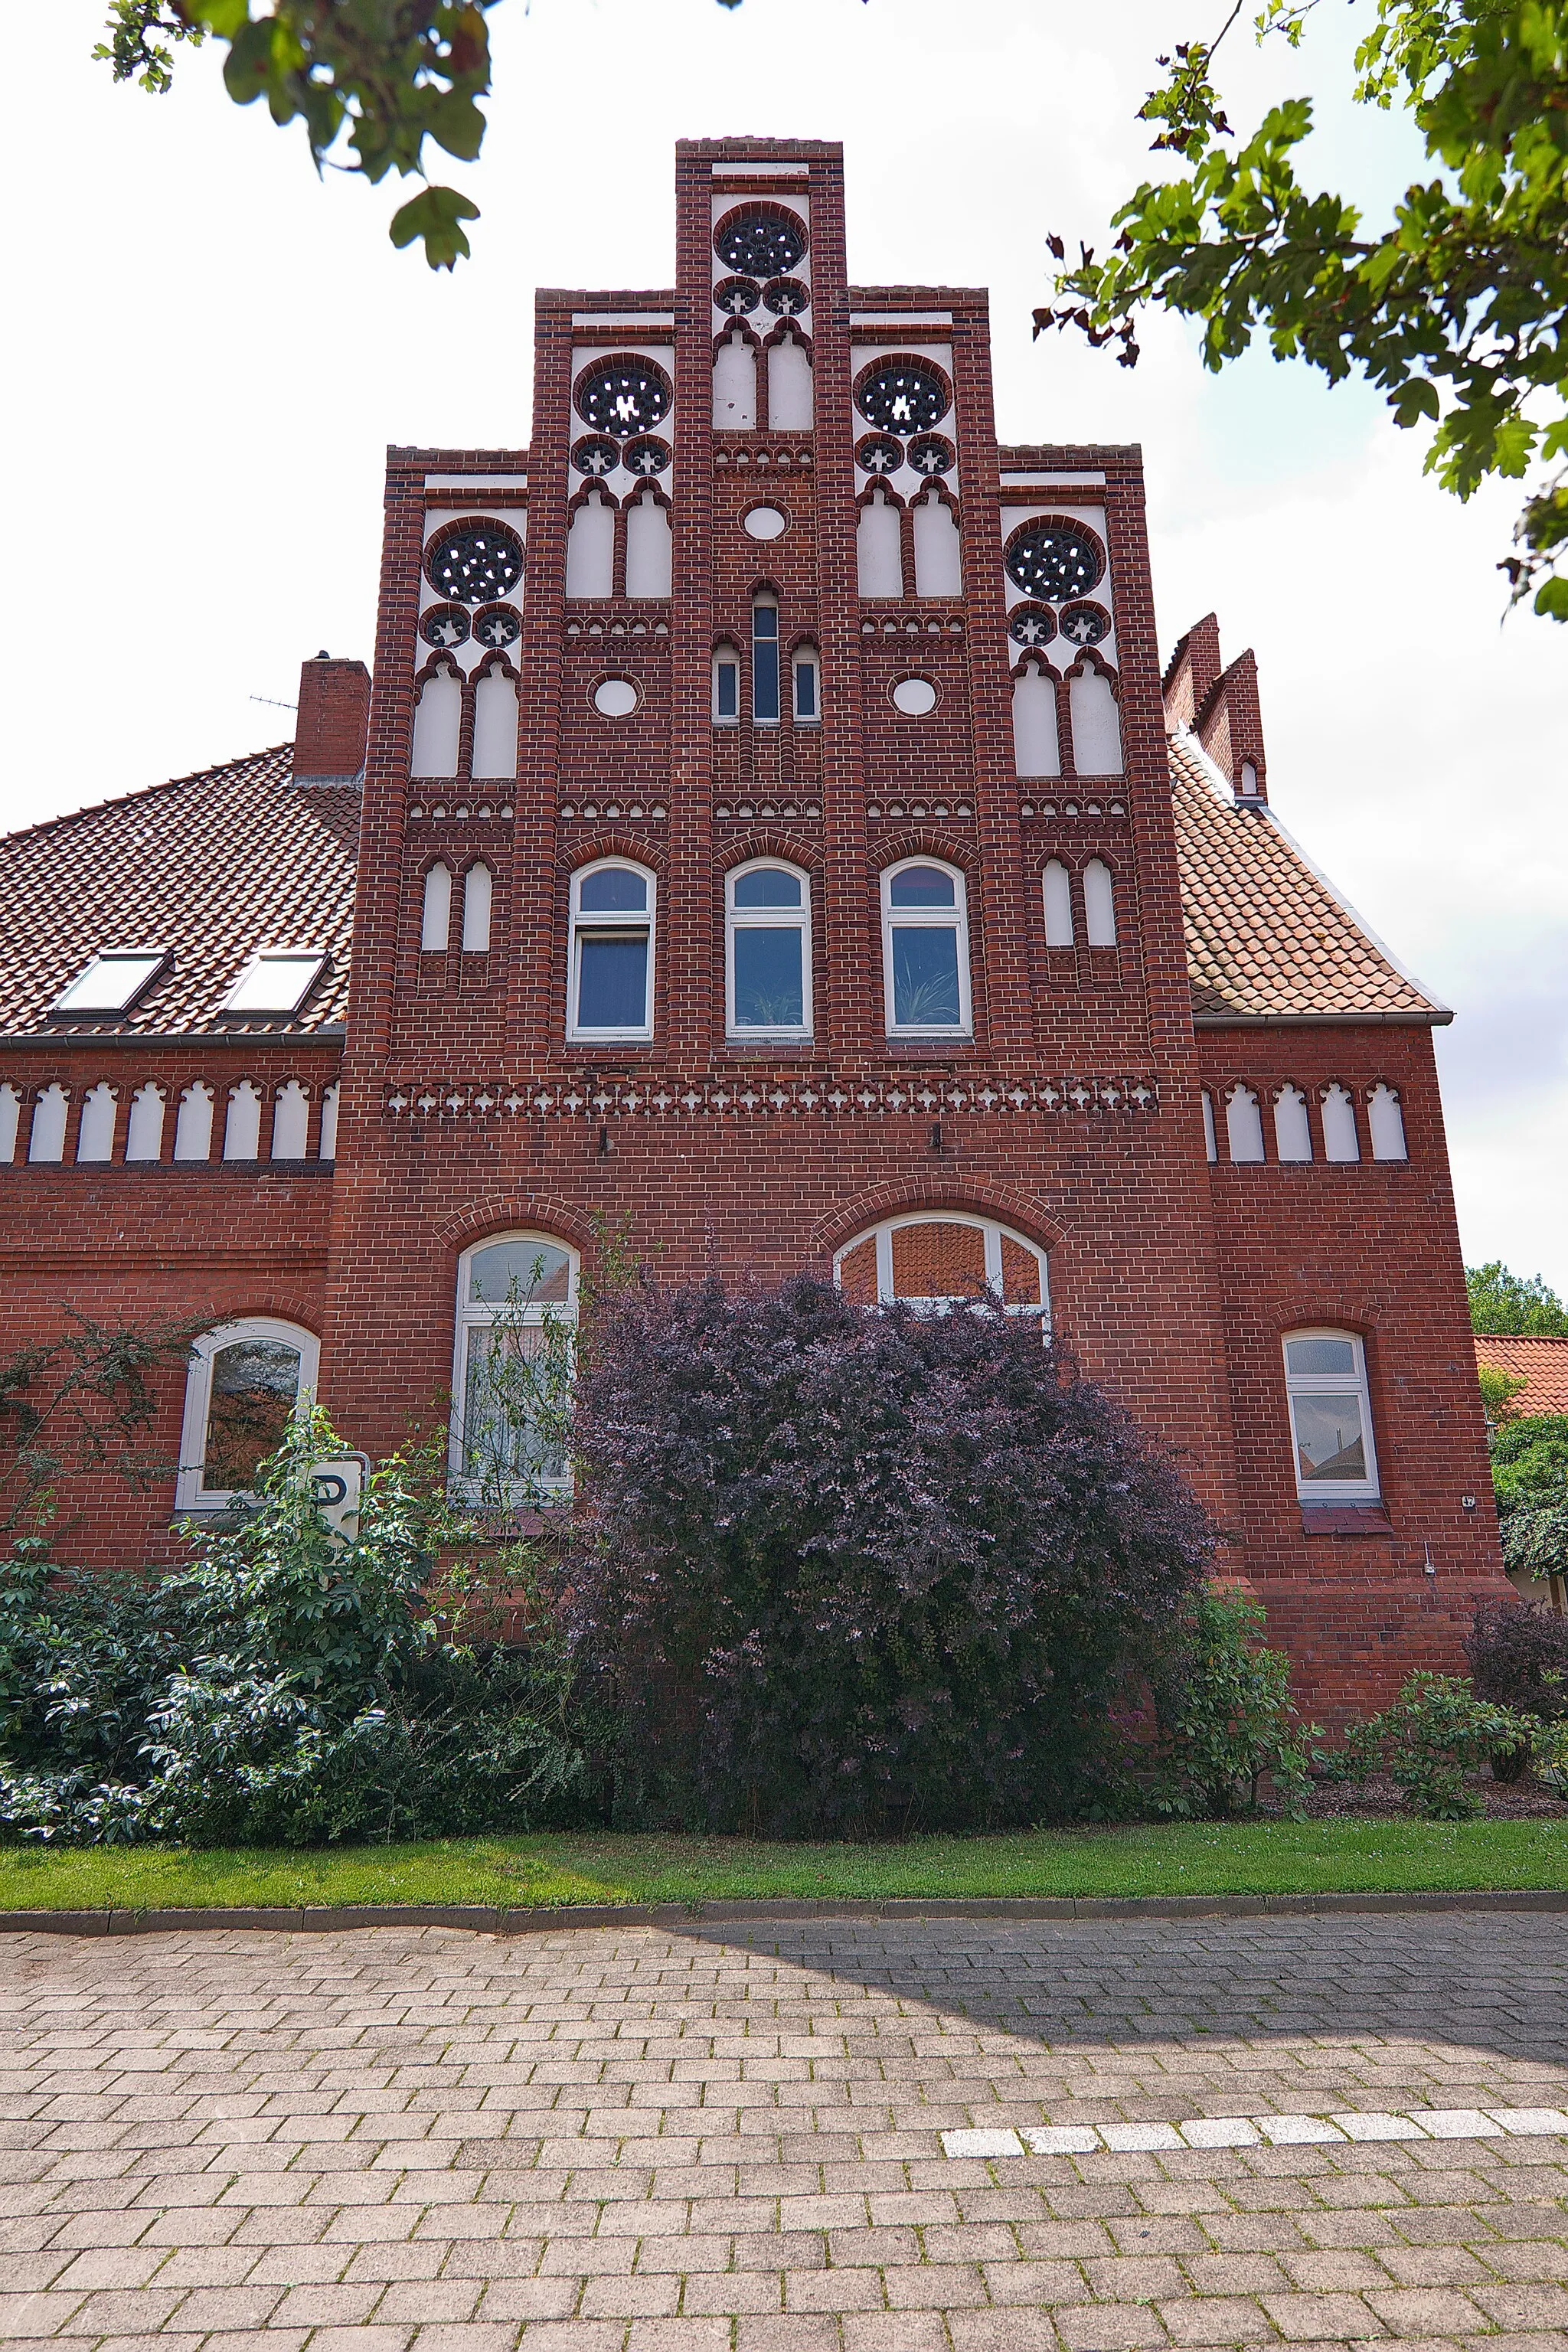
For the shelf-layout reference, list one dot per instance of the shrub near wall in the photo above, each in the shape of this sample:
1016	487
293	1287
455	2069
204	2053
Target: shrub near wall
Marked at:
852	1570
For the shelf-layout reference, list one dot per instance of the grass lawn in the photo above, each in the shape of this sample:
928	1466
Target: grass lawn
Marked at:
1179	1858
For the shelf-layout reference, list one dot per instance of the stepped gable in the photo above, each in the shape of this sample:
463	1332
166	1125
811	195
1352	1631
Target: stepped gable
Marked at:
211	866
1267	938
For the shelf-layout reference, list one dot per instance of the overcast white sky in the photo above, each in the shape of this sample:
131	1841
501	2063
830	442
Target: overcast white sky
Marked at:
210	352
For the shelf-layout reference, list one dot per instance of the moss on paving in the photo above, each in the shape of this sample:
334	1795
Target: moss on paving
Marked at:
1180	1858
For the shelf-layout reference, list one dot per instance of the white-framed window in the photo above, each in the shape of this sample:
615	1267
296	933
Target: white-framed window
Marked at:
276	980
767	961
112	981
245	1380
935	1258
765	697
1330	1417
726	686
925	950
610	958
517	1310
807	675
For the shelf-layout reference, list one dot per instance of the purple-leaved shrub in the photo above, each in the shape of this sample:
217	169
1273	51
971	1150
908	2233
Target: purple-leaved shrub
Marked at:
851	1571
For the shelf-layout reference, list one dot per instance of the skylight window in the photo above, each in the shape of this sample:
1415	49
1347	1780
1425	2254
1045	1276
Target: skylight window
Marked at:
112	981
276	980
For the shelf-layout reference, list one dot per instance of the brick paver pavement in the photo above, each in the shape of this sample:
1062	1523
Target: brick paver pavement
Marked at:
726	2140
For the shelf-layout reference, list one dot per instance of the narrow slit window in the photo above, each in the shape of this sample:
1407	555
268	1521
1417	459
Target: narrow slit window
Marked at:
764	662
807	687
726	686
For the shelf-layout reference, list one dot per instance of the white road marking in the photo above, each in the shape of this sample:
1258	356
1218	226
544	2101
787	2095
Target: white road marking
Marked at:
1249	2131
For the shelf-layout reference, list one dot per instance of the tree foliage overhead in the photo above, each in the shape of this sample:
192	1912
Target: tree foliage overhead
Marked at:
1456	310
1513	1306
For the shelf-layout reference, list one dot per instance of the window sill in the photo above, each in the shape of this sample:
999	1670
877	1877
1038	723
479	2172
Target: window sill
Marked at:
1346	1520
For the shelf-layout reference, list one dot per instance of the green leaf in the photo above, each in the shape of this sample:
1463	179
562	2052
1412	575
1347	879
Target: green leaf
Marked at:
433	214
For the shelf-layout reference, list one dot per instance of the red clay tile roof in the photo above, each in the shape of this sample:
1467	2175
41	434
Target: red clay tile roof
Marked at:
1542	1364
1266	937
211	866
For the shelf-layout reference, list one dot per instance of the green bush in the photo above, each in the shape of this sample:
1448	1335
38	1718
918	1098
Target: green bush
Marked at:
1226	1716
1437	1732
285	1687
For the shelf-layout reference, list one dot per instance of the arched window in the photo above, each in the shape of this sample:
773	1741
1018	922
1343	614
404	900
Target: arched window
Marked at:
939	1258
650	554
735	383
1096	724
1330	1417
1292	1129
807	679
327	1147
1036	749
789	385
495	727
938	565
436	917
726	686
879	547
610	976
47	1140
768	963
517	1309
1340	1141
242	1126
925	950
193	1123
244	1380
476	896
764	660
438	724
1098	904
291	1121
95	1136
144	1128
1058	905
1243	1123
591	547
1383	1117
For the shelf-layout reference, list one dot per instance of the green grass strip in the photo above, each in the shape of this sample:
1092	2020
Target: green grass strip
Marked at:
1354	1856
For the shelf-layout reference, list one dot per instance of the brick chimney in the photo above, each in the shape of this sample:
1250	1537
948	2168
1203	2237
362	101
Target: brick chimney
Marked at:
1220	706
333	721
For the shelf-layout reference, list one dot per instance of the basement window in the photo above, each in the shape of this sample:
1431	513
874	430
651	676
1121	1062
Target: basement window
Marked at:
112	981
276	980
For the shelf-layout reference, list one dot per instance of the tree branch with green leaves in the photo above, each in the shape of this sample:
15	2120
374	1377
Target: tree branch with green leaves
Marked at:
1456	311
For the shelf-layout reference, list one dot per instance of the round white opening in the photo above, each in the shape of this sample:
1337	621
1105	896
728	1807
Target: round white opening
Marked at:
615	698
914	697
765	522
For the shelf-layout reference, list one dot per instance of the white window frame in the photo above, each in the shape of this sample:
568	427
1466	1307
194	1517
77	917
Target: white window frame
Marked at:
727	657
995	1235
1331	1490
806	658
256	964
767	918
471	1314
595	920
955	916
99	966
190	1495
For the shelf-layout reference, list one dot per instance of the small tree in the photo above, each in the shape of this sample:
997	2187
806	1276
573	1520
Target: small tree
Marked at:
850	1570
81	1403
1226	1716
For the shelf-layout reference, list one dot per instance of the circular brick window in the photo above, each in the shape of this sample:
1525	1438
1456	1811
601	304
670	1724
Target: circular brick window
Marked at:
914	697
765	522
615	698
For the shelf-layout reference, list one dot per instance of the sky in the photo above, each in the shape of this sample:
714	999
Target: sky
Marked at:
211	348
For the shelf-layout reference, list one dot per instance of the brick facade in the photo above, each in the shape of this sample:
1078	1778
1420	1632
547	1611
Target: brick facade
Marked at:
1072	1115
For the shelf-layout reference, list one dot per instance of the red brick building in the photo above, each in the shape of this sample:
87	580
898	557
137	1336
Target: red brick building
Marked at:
767	823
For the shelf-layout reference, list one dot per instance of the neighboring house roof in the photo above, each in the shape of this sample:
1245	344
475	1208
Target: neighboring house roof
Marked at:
1542	1364
212	867
1268	938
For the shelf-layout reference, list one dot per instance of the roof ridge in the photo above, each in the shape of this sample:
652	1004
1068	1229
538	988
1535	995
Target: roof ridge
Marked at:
146	791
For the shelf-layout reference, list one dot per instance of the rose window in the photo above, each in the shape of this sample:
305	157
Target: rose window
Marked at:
932	453
737	295
761	242
595	454
1055	560
624	395
786	297
903	396
1086	624
498	624
1031	625
879	452
648	454
473	561
444	625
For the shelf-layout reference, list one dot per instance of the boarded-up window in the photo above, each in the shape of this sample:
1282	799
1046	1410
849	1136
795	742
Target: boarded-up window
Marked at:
938	1261
857	1272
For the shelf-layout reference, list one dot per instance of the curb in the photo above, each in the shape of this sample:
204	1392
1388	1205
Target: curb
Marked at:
545	1920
